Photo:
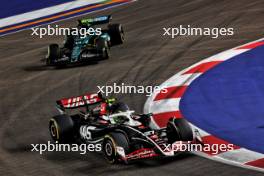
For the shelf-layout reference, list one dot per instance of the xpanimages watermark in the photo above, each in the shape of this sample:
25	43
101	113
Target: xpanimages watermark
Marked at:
60	31
129	89
56	147
180	146
182	30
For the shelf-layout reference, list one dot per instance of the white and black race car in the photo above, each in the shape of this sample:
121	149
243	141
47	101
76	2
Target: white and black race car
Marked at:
124	135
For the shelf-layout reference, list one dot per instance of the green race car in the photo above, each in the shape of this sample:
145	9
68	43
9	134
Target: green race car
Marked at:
86	43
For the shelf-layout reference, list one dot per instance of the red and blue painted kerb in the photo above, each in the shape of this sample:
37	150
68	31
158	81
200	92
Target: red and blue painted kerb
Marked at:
228	100
223	98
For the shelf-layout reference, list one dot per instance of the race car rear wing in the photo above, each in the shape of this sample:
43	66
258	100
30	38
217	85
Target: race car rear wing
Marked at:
95	21
79	101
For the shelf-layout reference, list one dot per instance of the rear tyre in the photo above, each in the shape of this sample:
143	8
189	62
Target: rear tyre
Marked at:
103	48
179	130
61	129
53	54
110	144
117	35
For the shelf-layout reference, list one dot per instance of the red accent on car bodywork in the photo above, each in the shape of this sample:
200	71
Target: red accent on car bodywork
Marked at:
79	101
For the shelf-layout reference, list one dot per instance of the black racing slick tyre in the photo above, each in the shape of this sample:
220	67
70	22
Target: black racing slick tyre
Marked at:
111	142
61	128
179	130
117	35
103	48
53	54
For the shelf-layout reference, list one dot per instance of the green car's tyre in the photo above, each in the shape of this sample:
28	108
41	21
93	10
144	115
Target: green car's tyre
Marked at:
53	54
117	35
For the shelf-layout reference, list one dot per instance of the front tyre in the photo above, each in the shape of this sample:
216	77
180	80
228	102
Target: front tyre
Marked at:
110	144
179	130
61	128
117	34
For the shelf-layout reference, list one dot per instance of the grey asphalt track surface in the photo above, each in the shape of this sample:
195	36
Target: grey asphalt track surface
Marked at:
29	89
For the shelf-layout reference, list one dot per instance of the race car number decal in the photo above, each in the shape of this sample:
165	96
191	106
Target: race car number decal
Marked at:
85	132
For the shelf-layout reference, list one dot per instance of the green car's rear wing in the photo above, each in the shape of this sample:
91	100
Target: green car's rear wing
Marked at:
95	21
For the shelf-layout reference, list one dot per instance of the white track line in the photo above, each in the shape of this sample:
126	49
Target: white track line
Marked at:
45	12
